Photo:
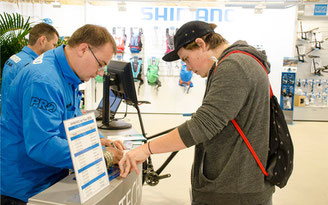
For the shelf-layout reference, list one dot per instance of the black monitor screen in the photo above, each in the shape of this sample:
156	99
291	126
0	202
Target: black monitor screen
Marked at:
119	79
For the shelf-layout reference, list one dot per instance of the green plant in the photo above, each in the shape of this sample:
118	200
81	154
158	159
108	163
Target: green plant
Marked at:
13	31
61	41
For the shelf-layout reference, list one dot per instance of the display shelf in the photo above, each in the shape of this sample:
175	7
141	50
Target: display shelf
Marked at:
311	113
311	81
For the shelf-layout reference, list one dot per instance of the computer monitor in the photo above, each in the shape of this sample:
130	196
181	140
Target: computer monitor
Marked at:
119	79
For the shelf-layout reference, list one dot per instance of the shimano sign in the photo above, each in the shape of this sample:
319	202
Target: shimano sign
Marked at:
184	13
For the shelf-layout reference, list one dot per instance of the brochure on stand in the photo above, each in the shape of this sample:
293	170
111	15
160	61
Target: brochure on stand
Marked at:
87	155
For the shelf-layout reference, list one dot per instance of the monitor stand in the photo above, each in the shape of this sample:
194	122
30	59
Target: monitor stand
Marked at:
115	125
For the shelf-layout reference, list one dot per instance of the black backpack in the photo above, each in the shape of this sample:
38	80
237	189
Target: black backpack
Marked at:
281	150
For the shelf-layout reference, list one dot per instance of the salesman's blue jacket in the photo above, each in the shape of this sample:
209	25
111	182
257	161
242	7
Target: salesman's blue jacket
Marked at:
12	66
34	149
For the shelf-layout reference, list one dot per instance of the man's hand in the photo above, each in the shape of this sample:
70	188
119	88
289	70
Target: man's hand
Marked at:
115	144
116	153
132	158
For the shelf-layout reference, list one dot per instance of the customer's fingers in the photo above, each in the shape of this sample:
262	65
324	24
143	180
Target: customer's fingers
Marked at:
124	165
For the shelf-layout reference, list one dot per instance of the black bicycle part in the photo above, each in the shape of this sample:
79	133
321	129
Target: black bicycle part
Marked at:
149	175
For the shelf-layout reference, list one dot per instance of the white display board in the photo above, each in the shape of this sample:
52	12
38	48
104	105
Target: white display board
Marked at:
87	155
273	30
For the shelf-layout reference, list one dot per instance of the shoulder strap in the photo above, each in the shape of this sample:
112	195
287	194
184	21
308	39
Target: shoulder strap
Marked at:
249	147
243	52
234	121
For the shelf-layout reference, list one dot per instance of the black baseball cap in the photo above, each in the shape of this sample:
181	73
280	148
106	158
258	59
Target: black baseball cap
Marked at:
187	34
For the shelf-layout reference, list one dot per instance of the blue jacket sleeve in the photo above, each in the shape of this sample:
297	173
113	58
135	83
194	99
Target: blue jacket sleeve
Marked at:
44	133
7	77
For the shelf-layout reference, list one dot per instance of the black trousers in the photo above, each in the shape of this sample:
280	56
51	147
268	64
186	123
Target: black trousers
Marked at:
7	200
269	202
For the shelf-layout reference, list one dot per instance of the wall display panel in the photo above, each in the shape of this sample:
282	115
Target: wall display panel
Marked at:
312	77
273	30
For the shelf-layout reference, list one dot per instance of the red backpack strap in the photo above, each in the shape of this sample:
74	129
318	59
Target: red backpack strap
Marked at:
243	52
234	121
249	147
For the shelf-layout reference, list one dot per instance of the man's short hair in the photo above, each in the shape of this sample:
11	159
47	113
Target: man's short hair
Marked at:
93	35
41	29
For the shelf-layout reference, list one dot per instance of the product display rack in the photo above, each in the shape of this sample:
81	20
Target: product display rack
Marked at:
311	89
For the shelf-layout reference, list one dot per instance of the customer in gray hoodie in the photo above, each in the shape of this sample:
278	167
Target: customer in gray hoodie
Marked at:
224	171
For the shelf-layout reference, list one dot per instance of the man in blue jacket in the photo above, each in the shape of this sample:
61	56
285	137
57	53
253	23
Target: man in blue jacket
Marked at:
34	149
42	37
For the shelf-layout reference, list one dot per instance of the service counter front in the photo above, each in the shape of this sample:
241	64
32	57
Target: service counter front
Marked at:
119	192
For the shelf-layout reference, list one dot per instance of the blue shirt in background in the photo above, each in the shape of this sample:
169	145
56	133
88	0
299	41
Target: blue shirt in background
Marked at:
12	66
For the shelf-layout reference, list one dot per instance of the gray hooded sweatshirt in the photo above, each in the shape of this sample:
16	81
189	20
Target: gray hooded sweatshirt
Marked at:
224	170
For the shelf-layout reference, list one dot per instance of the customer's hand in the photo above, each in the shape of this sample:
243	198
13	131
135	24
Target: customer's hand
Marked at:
109	143
116	153
132	158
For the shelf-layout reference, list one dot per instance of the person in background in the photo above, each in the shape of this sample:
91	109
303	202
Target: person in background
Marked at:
224	171
42	37
34	149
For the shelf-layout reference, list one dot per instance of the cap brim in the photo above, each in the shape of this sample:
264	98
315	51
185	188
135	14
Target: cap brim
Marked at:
172	56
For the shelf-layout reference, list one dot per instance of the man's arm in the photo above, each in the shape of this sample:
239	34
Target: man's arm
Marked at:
43	128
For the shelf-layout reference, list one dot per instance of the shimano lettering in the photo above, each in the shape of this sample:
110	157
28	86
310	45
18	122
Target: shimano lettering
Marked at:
179	14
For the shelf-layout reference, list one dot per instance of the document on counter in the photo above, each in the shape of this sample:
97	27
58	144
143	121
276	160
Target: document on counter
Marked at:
129	141
133	137
87	155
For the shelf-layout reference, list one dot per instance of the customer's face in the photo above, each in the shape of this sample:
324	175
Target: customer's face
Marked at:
95	60
196	60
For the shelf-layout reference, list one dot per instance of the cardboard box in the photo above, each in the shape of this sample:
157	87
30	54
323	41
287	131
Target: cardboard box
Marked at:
299	100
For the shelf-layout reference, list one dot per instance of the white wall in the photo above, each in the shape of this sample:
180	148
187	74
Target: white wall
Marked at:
274	30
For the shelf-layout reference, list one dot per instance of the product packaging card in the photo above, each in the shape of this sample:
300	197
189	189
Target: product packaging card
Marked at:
87	155
130	141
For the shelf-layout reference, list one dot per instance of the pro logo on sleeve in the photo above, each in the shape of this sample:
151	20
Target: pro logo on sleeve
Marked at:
43	104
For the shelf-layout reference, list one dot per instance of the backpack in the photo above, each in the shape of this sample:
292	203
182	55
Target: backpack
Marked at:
281	150
120	40
185	76
152	72
136	65
169	42
135	43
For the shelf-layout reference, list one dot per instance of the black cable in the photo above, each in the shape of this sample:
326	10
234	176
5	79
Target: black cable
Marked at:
126	110
114	101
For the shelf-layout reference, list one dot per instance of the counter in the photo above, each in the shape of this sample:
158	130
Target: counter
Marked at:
119	192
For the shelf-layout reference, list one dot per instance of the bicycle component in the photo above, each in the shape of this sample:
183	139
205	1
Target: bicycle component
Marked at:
151	177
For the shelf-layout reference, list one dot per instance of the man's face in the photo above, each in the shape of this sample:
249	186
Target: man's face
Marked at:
48	45
95	60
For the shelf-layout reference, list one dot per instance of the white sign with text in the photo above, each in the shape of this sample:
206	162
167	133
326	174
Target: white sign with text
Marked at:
87	156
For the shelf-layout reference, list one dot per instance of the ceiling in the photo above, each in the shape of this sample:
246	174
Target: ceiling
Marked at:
194	3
